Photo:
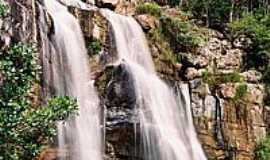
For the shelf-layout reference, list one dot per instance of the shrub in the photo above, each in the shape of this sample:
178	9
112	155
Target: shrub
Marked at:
149	8
18	68
215	80
174	2
3	9
208	78
24	129
183	35
94	46
166	53
262	151
234	77
257	27
241	91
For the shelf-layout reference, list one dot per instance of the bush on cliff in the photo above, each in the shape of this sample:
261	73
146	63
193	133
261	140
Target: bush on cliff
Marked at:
183	35
262	151
25	129
94	46
149	8
3	9
257	27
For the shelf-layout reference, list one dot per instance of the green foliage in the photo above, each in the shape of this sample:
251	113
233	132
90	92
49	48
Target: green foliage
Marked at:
24	129
149	8
18	68
94	46
217	13
241	91
257	27
231	77
262	151
183	35
166	53
208	77
3	9
215	80
174	2
215	10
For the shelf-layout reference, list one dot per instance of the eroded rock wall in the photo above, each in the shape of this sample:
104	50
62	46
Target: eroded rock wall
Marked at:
227	128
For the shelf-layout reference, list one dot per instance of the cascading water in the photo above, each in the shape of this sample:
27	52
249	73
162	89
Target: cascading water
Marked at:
66	70
166	124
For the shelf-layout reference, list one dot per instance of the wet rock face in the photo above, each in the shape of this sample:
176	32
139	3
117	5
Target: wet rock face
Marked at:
120	103
120	91
23	24
226	130
19	23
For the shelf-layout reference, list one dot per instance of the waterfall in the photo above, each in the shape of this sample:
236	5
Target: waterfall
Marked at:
167	130
66	72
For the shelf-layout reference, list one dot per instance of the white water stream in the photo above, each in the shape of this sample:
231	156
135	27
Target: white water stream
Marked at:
80	138
166	122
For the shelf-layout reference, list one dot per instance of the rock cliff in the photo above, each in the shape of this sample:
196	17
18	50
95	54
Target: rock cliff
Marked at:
227	100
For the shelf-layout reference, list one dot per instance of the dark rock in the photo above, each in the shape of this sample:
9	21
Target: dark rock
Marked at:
242	42
119	97
120	91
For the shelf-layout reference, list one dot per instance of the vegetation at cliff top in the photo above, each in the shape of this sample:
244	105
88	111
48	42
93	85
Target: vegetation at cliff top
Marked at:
233	18
25	129
166	53
149	8
216	13
3	9
262	151
182	34
256	26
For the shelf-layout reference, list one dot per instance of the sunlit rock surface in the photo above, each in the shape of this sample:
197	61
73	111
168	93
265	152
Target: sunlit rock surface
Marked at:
227	130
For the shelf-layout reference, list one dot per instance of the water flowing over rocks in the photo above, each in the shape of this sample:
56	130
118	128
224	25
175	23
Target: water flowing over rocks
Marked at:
227	130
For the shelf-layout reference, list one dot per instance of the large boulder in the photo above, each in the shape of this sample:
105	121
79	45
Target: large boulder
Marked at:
118	97
252	76
111	4
147	21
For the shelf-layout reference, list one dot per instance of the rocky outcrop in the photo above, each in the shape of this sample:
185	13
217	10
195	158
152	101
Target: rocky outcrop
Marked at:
228	128
120	101
147	21
19	23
